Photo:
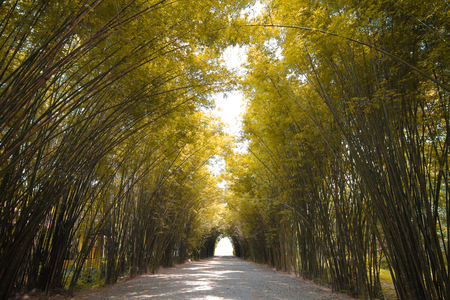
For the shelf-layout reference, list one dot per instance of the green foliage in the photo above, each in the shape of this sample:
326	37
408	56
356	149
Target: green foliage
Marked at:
89	278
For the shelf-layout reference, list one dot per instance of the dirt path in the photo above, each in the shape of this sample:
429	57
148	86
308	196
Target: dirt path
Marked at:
225	277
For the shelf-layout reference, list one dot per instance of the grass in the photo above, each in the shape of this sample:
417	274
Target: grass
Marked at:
387	285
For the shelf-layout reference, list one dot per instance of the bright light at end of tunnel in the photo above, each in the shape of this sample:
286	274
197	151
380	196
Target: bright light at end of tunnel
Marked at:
224	248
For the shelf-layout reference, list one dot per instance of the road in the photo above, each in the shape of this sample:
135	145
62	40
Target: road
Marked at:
225	277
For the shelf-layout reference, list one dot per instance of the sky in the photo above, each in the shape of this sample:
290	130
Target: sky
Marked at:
231	106
224	247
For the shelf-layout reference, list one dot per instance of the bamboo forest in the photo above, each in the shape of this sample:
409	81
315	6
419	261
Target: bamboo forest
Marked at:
109	147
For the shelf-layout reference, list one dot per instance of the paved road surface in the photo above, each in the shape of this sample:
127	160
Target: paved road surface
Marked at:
226	278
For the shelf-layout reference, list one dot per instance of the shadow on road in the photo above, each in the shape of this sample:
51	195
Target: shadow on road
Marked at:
220	277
